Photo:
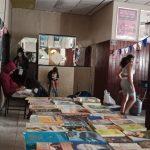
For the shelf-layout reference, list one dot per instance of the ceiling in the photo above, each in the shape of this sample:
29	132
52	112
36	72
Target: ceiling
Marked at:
83	7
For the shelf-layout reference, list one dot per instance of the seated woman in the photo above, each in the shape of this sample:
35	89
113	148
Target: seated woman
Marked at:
8	85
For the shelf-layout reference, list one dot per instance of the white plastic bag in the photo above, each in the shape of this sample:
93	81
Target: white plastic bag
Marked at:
108	99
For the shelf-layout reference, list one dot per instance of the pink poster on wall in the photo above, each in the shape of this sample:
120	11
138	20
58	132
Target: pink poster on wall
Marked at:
127	23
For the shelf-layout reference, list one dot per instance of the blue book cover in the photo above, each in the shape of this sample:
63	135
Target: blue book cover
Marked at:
85	137
31	138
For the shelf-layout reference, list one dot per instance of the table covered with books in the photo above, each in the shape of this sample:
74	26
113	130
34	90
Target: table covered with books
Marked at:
81	124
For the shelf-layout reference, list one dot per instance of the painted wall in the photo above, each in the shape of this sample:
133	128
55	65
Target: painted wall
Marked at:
126	5
71	79
32	22
102	24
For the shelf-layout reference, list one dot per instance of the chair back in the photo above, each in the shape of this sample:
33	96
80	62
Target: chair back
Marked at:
2	97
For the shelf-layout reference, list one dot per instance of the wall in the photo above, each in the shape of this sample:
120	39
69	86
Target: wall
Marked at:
66	79
126	5
101	63
32	22
102	24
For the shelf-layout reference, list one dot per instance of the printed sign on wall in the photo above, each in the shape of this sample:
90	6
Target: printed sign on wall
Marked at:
127	23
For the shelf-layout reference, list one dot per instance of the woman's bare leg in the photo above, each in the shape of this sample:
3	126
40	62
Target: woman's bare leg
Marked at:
123	103
130	102
56	88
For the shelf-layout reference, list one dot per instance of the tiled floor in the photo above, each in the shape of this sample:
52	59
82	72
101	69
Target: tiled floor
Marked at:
12	127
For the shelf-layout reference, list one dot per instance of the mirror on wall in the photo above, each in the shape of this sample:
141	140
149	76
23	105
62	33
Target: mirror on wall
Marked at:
57	50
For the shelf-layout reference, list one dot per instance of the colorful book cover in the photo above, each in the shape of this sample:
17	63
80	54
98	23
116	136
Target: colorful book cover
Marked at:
74	121
54	146
37	127
110	133
93	107
145	144
137	136
52	120
31	138
101	122
125	146
58	102
123	121
59	128
85	137
84	146
87	99
73	109
118	140
132	127
112	116
78	128
94	117
97	127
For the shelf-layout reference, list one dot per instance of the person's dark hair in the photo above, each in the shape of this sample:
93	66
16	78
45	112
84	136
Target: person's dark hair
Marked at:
130	56
126	60
20	50
55	69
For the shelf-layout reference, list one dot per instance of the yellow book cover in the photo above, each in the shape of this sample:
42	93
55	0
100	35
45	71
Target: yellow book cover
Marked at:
110	133
132	127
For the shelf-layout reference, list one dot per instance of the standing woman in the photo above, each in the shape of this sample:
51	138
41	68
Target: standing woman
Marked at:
22	64
127	85
53	77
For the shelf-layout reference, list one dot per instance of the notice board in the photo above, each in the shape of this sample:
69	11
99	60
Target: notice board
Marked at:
127	24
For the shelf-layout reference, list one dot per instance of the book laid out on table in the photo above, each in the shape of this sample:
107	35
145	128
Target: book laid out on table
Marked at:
78	128
96	108
97	127
113	116
137	136
30	99
58	102
100	122
125	146
43	108
50	120
123	121
118	139
110	133
38	127
84	146
85	137
54	146
74	121
61	99
95	116
53	120
132	127
87	99
31	138
145	144
73	109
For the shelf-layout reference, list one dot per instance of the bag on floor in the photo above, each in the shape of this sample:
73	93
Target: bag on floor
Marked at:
108	100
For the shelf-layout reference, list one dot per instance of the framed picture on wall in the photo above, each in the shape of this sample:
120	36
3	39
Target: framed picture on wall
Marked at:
127	24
